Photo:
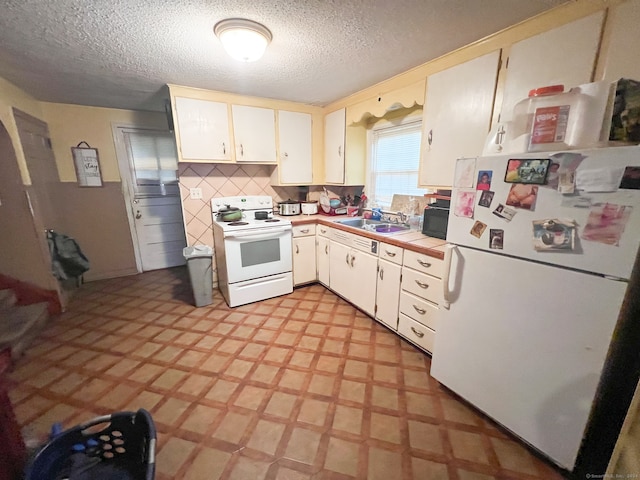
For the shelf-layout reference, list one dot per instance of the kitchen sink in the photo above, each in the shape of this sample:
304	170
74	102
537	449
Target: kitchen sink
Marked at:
360	222
376	226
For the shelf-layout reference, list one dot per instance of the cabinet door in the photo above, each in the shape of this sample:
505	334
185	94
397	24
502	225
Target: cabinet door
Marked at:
203	127
304	260
362	292
340	278
294	133
254	129
322	255
457	116
564	55
334	128
388	293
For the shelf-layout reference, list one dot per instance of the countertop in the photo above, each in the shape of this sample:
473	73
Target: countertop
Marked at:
411	239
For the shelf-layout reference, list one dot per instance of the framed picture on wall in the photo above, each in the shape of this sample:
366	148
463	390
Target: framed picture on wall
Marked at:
87	165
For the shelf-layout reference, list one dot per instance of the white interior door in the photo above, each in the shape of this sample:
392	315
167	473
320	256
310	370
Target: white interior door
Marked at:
149	167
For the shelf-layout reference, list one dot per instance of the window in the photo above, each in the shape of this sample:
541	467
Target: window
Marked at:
394	161
153	160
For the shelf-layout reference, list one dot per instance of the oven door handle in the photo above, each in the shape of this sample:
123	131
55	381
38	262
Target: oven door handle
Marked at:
271	233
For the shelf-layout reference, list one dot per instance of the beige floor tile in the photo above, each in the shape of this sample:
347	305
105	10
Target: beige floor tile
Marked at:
292	379
174	453
281	404
303	446
195	384
265	374
313	412
248	468
288	474
250	397
467	475
266	436
386	428
301	359
352	391
328	363
222	391
421	404
208	465
356	368
384	373
513	456
424	436
384	397
322	385
342	457
215	363
169	379
467	446
277	354
384	465
170	411
423	469
348	419
145	372
201	419
232	427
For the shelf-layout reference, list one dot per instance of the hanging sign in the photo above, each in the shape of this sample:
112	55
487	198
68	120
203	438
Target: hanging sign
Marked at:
85	160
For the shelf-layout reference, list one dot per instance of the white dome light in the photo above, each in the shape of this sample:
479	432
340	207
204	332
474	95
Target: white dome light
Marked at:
243	39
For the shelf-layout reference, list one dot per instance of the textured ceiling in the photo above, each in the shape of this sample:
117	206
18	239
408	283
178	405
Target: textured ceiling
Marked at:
120	53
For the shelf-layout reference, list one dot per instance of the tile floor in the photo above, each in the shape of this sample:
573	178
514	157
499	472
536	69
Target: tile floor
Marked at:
297	387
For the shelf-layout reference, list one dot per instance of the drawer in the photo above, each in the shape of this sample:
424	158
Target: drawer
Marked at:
304	230
418	309
416	333
423	263
421	285
323	231
391	253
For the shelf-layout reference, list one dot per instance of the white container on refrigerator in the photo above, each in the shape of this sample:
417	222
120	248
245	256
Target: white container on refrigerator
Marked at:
526	333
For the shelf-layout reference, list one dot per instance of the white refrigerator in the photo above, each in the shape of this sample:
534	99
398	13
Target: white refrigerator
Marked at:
528	318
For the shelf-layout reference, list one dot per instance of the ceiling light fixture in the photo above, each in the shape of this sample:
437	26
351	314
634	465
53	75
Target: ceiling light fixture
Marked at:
243	40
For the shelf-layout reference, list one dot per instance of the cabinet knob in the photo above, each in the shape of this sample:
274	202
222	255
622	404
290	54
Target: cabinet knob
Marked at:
339	150
430	137
418	333
353	259
326	249
224	149
241	150
297	249
347	259
138	215
382	274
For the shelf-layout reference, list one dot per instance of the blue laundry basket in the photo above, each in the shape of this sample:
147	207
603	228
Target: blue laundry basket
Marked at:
122	440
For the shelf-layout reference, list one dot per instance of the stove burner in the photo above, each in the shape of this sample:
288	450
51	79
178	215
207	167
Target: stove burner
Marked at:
273	220
237	224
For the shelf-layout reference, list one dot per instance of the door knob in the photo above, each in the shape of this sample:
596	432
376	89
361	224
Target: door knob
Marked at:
138	215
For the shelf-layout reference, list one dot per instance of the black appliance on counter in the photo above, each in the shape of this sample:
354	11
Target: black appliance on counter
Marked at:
436	217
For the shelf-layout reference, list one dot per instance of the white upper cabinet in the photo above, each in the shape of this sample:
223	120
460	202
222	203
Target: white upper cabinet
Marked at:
295	142
562	56
203	127
618	58
334	140
254	129
456	117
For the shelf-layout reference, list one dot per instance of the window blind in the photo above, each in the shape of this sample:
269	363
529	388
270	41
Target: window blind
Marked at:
154	161
395	161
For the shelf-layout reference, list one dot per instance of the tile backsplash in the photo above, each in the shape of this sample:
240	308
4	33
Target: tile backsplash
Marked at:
225	180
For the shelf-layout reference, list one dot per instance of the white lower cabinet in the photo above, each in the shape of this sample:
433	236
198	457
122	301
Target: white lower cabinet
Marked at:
340	276
388	293
323	260
304	254
364	267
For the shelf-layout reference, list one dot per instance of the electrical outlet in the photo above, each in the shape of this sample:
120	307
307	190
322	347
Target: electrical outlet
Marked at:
195	193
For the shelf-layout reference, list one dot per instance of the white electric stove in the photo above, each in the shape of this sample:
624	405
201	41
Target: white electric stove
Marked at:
253	255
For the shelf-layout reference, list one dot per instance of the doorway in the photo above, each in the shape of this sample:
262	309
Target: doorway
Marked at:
149	170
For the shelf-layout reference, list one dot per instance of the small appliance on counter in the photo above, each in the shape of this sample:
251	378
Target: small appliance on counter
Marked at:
289	208
309	208
436	215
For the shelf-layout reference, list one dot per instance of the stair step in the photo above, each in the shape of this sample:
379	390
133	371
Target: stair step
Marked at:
7	298
20	325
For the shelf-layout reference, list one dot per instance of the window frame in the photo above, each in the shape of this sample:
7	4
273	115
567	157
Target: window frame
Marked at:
385	124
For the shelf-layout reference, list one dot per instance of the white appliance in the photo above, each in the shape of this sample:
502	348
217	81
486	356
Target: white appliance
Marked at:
524	334
253	255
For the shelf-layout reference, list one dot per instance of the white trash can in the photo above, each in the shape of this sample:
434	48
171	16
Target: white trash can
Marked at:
199	263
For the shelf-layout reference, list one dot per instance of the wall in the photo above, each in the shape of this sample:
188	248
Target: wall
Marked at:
95	217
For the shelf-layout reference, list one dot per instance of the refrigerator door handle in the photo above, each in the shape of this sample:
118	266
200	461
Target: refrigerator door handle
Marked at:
446	293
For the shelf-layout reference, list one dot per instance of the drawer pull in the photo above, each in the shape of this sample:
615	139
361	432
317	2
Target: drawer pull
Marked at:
421	311
306	230
422	284
418	334
382	274
391	254
347	259
424	264
326	249
297	249
323	230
